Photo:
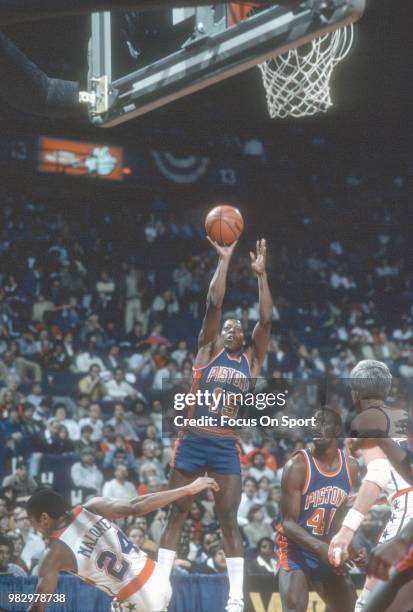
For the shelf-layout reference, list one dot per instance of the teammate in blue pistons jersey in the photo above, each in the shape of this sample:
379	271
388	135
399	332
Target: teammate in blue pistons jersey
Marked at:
315	485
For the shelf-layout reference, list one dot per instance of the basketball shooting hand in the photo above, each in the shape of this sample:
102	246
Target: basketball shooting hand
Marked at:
202	483
338	550
259	259
225	252
384	556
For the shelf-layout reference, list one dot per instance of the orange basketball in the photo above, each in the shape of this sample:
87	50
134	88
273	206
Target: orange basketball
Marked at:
224	224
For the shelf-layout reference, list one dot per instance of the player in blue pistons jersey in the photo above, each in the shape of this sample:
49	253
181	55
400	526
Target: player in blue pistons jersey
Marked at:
223	364
315	486
225	377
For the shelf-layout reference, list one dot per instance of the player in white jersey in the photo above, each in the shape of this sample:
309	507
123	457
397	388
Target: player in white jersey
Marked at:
371	382
86	542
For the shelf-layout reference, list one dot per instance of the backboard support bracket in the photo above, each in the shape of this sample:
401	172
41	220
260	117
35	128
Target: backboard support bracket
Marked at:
104	95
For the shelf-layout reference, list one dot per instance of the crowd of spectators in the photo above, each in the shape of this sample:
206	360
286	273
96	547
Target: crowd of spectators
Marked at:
94	330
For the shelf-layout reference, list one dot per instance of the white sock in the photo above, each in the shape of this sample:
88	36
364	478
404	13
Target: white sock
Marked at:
361	600
235	567
166	559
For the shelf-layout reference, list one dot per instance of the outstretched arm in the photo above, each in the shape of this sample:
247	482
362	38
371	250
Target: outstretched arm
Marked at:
216	294
262	331
114	509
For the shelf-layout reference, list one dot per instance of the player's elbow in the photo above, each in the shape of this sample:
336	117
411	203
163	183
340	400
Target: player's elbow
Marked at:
140	507
266	320
214	301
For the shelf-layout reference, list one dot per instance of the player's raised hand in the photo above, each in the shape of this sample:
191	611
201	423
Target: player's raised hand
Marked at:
202	483
259	258
384	556
223	251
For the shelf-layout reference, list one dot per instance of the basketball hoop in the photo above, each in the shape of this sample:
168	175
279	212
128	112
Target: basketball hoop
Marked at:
297	83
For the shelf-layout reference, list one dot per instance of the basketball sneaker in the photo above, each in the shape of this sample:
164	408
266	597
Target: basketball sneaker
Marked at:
234	605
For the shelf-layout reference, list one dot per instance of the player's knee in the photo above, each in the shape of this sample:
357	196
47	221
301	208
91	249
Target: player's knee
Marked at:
227	512
228	518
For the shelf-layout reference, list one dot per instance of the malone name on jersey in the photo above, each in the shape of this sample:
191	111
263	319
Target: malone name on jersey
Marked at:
91	538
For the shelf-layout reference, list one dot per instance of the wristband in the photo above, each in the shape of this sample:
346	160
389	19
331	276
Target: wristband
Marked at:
353	519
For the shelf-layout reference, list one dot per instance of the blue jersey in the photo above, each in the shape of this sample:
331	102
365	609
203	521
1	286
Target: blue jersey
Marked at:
226	379
323	493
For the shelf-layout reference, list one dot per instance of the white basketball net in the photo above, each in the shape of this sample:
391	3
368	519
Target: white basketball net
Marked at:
297	83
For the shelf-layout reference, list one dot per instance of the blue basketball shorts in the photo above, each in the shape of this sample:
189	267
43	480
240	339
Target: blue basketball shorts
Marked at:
198	454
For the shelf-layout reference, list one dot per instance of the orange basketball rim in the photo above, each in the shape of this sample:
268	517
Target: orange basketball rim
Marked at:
238	12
